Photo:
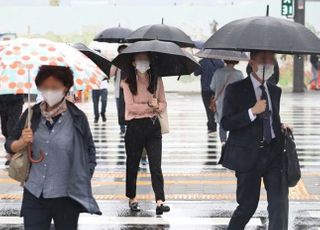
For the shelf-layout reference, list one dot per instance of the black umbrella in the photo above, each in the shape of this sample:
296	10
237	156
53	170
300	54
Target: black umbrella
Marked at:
166	57
103	63
161	32
265	33
113	35
223	54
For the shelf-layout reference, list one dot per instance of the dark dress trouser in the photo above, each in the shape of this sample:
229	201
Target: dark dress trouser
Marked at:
9	117
211	124
96	94
248	192
38	212
144	133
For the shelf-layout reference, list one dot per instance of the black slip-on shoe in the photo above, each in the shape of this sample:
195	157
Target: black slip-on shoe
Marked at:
161	209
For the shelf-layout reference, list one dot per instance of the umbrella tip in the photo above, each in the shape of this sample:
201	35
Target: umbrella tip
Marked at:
119	25
267	13
162	21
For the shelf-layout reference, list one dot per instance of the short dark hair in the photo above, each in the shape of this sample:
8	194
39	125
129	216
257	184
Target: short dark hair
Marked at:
231	62
61	73
254	53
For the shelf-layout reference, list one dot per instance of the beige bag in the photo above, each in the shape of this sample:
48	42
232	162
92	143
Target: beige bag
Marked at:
164	122
163	118
19	164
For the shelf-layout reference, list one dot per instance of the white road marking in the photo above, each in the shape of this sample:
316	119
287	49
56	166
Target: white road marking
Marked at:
110	220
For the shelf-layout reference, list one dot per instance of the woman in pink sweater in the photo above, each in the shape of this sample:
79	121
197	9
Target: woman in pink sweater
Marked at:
144	99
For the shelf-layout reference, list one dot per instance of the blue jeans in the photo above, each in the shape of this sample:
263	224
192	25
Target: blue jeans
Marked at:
96	94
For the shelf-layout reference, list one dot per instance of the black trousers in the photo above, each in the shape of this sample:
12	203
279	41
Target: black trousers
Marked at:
38	212
269	168
211	124
144	133
96	95
9	117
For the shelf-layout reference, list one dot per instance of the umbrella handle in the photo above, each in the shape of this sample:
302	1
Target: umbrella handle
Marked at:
30	155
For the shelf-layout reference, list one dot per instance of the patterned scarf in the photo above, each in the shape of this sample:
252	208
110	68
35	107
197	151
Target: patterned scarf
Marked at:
62	107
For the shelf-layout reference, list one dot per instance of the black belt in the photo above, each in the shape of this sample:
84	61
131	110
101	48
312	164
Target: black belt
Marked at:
153	119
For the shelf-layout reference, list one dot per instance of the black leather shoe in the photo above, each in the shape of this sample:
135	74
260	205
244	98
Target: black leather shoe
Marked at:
134	206
96	119
161	209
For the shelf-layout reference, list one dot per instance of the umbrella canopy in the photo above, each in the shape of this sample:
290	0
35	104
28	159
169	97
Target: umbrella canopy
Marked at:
103	63
21	58
223	54
161	32
168	58
265	33
113	35
198	44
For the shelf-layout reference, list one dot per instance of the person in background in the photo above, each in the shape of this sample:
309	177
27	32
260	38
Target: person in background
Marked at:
221	79
206	71
274	79
58	187
102	93
143	128
10	111
315	66
118	92
254	149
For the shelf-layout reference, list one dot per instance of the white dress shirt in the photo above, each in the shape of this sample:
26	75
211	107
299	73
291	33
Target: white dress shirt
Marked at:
104	84
258	92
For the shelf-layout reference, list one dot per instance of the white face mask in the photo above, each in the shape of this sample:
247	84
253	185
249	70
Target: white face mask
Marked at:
142	66
52	97
268	71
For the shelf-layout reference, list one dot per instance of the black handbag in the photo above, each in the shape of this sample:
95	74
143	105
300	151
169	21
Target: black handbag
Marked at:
291	161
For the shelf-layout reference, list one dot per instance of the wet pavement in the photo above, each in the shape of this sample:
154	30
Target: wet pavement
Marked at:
200	192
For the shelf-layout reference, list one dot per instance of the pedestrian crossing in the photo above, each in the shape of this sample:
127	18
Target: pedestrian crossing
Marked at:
188	145
189	164
188	142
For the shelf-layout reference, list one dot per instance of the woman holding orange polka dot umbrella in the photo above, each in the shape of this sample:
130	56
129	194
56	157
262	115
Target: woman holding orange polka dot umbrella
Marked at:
62	156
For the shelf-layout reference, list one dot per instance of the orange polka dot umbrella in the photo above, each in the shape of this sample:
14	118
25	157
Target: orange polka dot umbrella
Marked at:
21	57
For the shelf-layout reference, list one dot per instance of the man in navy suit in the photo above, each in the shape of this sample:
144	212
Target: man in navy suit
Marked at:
255	145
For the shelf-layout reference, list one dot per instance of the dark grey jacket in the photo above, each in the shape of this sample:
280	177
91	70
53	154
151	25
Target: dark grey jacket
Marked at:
84	160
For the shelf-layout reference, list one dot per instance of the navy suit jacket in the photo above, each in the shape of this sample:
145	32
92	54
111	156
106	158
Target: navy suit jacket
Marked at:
242	147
